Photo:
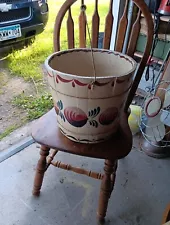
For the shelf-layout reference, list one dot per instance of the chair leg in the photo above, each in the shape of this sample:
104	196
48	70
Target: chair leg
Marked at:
166	216
40	170
106	188
113	176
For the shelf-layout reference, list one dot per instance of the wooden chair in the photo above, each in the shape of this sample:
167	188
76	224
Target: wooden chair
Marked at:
46	131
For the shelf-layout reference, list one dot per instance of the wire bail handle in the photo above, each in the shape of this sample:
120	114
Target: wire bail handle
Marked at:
83	6
83	9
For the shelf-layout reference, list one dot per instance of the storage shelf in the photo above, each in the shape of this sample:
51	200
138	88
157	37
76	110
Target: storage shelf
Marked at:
162	18
139	55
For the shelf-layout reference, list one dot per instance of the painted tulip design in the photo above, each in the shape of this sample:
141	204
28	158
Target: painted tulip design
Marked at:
78	118
75	116
108	116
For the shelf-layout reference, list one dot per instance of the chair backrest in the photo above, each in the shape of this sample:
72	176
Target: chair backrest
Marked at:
140	7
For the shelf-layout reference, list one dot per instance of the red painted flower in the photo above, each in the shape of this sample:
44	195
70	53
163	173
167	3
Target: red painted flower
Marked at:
75	116
108	116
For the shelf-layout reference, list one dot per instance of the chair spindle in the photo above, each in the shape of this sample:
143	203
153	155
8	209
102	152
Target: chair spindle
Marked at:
82	27
95	26
70	30
134	35
122	29
108	27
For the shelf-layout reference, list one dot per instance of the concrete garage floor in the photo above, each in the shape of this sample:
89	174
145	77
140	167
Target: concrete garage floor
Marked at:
141	193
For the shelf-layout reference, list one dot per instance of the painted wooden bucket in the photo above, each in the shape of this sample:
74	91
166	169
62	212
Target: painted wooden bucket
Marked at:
88	103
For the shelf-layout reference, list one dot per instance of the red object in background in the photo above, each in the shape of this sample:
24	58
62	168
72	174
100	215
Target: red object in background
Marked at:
164	7
150	61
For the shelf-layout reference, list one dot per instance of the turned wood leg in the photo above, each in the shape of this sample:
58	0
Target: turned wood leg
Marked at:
113	177
40	170
106	187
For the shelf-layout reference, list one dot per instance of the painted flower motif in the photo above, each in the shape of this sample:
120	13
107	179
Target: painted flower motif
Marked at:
108	116
92	114
78	118
75	116
58	109
60	105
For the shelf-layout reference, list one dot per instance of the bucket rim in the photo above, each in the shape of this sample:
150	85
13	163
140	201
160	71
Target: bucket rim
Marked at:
74	76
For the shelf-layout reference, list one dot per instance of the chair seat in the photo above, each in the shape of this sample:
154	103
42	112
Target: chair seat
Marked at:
46	132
